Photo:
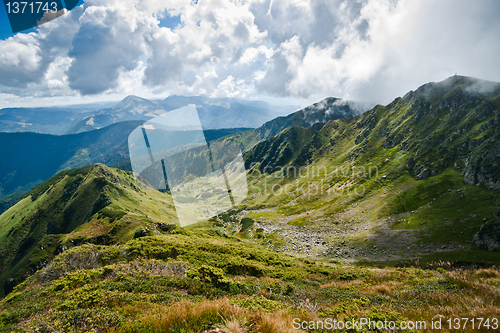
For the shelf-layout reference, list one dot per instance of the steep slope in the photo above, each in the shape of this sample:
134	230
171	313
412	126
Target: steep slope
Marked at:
94	204
268	155
200	282
414	179
215	113
321	112
210	278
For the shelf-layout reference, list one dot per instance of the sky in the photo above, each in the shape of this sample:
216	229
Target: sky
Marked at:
283	51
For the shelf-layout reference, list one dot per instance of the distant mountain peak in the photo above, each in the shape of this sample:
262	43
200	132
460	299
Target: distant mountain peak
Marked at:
464	84
334	106
329	100
132	99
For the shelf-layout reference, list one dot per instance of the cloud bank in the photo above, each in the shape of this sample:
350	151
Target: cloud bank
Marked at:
366	50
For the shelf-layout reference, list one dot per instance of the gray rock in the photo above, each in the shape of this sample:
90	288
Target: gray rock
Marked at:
411	164
488	236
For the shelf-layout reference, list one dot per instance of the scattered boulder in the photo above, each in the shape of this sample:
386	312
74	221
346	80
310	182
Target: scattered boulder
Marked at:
174	253
167	227
8	286
411	164
140	232
488	236
422	173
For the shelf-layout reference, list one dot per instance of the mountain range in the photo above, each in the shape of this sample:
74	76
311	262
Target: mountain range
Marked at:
33	158
109	145
215	113
49	120
417	178
330	108
413	183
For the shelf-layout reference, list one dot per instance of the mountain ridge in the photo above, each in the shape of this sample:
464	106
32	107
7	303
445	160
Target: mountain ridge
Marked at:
94	198
330	108
376	210
420	161
56	120
215	113
52	153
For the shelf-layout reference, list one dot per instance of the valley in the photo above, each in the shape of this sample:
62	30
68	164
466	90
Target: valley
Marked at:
399	211
19	173
388	214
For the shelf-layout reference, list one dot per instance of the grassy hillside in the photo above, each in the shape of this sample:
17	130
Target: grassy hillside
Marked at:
195	280
93	204
389	215
130	269
280	149
203	280
415	179
142	287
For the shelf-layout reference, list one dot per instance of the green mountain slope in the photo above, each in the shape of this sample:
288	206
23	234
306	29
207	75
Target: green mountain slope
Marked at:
291	133
402	185
414	179
321	112
208	278
280	149
94	204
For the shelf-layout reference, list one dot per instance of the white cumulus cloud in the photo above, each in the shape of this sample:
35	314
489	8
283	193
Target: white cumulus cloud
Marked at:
366	50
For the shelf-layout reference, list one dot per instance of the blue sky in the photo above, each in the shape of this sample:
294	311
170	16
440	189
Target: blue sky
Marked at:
5	28
279	50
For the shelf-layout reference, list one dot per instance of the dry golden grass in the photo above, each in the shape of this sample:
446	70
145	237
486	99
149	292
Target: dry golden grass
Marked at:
234	325
269	279
192	317
279	322
349	284
270	305
328	285
466	294
487	273
385	288
384	274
